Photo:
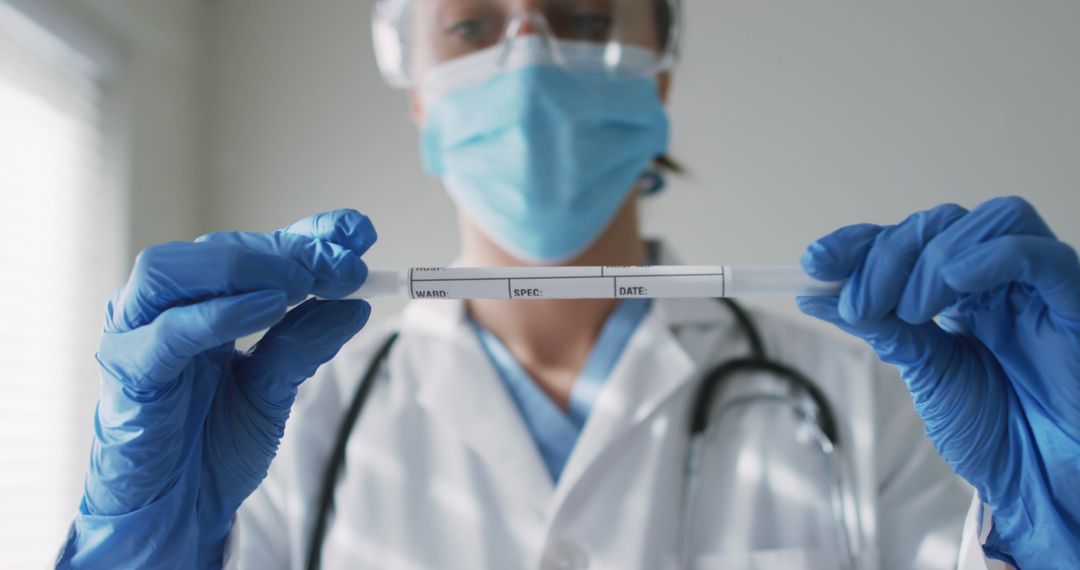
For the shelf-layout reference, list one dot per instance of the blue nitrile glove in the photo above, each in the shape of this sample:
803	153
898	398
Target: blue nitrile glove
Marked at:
186	426
997	378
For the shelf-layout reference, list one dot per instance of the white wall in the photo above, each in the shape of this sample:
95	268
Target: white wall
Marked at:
301	123
158	114
147	56
794	118
152	62
798	117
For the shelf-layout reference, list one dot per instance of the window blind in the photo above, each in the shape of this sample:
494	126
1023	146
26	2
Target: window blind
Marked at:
60	248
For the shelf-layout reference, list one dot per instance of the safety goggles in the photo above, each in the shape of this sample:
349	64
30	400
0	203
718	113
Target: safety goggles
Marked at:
633	37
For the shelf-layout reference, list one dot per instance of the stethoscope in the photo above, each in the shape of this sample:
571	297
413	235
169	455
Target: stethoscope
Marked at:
804	398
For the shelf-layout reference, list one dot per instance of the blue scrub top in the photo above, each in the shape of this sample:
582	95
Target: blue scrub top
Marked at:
555	431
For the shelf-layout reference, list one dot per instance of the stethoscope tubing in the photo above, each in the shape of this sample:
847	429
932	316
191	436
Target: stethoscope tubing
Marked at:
820	415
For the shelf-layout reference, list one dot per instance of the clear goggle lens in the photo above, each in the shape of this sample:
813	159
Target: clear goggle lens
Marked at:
412	37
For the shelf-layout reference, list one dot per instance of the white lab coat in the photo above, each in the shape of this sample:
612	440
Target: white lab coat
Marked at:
441	471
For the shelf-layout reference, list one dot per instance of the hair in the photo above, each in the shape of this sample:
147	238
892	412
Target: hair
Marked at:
662	11
667	163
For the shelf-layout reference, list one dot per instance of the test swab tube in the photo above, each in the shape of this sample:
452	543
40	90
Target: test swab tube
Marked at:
646	282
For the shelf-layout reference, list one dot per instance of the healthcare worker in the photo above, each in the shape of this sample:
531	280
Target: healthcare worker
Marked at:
553	434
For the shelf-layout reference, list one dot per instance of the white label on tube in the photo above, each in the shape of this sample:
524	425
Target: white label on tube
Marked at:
623	271
563	288
568	282
461	289
440	273
670	286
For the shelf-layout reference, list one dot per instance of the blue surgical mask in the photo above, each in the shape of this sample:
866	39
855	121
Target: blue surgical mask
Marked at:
541	157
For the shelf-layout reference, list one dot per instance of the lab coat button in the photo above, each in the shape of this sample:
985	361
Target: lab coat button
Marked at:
564	556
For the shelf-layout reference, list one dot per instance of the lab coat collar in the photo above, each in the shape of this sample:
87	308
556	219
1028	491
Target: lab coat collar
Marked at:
653	366
461	390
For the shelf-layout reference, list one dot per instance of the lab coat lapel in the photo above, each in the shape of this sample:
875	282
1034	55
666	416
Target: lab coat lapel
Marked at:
461	390
652	367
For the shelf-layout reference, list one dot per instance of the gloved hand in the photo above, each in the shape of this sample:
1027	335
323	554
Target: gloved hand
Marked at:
997	378
186	426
